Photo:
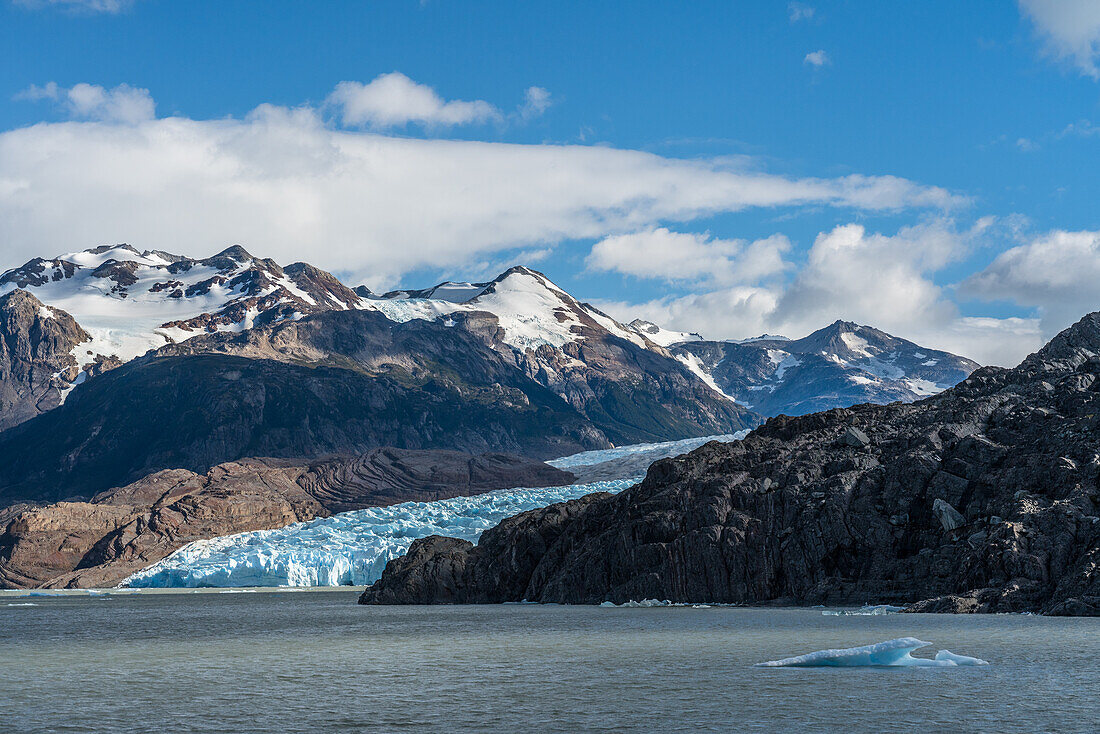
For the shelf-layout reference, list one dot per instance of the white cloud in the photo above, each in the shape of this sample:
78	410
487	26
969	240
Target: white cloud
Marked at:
92	6
662	254
817	58
394	100
1057	272
364	204
1070	28
536	100
799	11
880	280
124	104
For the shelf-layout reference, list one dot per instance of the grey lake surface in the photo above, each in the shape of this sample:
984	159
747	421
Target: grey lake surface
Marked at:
314	661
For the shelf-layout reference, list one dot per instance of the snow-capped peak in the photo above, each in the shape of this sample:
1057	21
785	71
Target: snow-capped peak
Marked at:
662	336
132	301
530	309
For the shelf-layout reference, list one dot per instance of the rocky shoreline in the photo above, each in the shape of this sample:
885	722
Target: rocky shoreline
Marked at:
981	499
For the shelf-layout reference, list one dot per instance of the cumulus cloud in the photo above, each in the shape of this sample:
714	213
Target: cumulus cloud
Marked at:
1070	29
123	104
367	205
394	100
881	280
659	253
817	58
1057	272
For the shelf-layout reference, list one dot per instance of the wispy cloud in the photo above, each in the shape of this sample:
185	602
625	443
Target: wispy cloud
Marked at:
92	102
799	11
662	254
370	205
89	6
1070	30
817	59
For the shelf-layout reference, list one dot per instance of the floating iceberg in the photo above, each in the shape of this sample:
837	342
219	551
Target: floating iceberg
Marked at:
883	654
350	548
644	603
864	611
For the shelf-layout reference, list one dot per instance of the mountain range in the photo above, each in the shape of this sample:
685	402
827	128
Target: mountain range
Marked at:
982	498
116	363
117	366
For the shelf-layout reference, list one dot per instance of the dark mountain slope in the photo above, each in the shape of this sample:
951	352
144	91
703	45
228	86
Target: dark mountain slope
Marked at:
982	498
36	364
362	381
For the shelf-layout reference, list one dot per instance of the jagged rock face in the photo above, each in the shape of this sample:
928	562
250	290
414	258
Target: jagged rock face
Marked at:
982	498
342	382
131	301
843	364
37	367
625	383
121	531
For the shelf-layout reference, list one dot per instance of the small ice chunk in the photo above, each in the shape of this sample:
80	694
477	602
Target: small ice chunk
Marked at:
891	653
864	611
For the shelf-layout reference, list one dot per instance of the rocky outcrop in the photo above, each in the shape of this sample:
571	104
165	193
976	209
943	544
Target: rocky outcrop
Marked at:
980	499
118	532
36	364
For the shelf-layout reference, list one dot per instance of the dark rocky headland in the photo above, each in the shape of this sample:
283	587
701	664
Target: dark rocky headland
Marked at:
983	498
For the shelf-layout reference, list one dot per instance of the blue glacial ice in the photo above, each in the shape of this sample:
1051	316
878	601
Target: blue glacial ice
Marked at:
892	653
651	450
350	548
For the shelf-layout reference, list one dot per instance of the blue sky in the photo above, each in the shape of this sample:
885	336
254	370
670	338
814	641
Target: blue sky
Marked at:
724	167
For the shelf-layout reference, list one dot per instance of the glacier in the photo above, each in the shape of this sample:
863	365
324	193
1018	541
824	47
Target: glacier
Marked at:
891	653
350	548
652	451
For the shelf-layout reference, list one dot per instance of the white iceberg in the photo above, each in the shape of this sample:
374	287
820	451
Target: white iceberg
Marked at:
882	654
869	610
351	548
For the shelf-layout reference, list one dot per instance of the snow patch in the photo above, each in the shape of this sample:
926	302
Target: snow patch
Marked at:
692	363
924	388
856	344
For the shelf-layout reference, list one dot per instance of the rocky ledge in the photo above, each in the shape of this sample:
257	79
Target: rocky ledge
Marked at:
981	499
120	531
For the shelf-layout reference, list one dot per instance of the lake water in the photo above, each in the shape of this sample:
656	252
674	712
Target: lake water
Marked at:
314	661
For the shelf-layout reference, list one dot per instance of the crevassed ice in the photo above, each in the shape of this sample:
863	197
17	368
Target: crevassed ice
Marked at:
348	548
890	653
664	448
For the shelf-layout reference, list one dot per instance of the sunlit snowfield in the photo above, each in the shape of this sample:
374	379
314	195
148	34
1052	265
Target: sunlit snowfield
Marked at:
308	661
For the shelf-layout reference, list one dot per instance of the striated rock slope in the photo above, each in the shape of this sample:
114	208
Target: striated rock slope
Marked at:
120	531
983	498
